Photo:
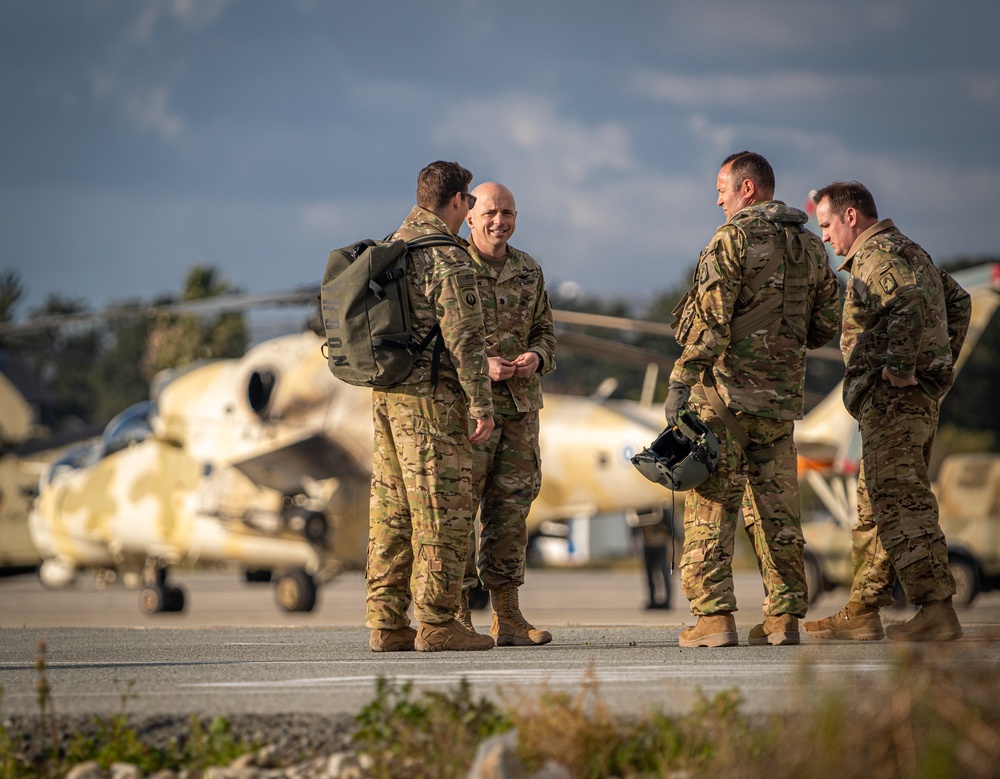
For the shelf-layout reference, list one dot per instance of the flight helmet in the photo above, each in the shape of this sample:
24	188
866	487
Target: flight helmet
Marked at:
681	457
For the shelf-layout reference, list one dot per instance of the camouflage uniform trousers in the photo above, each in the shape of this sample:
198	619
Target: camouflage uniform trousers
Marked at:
421	507
507	473
768	494
898	533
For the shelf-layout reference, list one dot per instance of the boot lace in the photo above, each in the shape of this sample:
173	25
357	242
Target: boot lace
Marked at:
511	609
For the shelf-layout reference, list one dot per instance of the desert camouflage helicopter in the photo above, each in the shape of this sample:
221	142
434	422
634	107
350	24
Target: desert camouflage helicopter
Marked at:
27	445
266	460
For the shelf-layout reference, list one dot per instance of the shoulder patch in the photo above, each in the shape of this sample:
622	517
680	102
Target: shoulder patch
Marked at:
888	282
708	274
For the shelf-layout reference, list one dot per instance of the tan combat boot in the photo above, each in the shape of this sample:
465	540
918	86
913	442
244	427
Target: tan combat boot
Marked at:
779	630
464	613
510	628
936	621
450	636
854	622
396	640
717	629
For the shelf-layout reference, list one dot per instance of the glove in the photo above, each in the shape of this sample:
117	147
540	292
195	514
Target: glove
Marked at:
677	398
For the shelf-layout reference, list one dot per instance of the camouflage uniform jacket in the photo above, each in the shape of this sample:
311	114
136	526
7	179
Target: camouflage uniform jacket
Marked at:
762	373
441	282
901	311
518	318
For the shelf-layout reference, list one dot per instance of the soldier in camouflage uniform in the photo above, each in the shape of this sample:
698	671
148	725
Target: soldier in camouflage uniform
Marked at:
905	321
421	506
520	346
742	366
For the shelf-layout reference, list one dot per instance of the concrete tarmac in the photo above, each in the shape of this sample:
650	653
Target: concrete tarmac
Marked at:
233	651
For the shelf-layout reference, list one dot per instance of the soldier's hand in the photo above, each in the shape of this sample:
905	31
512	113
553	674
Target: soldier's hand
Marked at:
526	364
897	381
500	369
677	398
483	429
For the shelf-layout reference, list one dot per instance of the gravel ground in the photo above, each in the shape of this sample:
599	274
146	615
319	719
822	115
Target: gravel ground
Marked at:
291	738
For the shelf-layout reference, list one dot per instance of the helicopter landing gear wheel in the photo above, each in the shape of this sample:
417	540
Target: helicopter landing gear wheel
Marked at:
159	598
295	590
156	596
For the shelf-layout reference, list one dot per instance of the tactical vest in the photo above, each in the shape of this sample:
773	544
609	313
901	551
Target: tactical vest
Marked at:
792	304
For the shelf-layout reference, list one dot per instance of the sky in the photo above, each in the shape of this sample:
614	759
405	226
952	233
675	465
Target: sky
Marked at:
140	137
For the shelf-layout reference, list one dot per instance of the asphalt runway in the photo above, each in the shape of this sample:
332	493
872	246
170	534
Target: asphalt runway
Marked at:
234	651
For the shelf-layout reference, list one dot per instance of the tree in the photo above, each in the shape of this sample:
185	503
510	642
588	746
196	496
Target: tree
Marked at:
11	292
176	340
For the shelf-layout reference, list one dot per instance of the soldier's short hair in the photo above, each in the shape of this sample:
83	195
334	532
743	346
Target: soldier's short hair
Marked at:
438	183
750	165
848	194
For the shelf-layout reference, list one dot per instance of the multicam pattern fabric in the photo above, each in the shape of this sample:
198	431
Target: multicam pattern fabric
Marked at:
898	532
763	373
760	378
422	510
507	467
517	316
442	285
507	474
902	312
768	494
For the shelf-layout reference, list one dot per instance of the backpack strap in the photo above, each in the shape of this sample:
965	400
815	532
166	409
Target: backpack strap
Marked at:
416	347
753	451
747	322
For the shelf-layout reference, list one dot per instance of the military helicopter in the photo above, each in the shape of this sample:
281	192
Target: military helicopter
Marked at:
266	460
27	445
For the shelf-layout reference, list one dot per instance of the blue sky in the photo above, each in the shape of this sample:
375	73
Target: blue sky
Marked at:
253	135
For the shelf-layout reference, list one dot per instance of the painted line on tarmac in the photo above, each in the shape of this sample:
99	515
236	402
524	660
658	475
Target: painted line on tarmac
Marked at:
642	674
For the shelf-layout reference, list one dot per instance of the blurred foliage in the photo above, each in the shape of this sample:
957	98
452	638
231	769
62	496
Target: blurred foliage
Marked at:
178	340
81	374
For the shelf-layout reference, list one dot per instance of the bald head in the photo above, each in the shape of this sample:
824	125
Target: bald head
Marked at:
492	220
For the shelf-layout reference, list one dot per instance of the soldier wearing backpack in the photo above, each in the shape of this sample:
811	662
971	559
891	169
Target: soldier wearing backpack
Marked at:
421	507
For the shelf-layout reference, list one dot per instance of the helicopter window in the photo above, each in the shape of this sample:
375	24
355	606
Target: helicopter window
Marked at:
129	427
259	390
77	457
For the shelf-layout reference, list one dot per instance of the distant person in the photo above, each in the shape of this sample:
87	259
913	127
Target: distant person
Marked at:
763	293
421	505
520	346
905	321
654	541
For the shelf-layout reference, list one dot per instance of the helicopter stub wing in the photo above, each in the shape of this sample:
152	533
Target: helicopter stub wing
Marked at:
316	457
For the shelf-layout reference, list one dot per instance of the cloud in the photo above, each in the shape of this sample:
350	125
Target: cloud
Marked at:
147	106
187	14
123	77
527	128
740	91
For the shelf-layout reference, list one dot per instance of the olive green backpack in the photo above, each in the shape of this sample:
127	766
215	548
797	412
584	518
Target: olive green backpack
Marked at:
366	312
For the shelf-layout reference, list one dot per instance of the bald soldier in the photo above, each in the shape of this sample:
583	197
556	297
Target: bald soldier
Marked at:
763	293
520	346
905	321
